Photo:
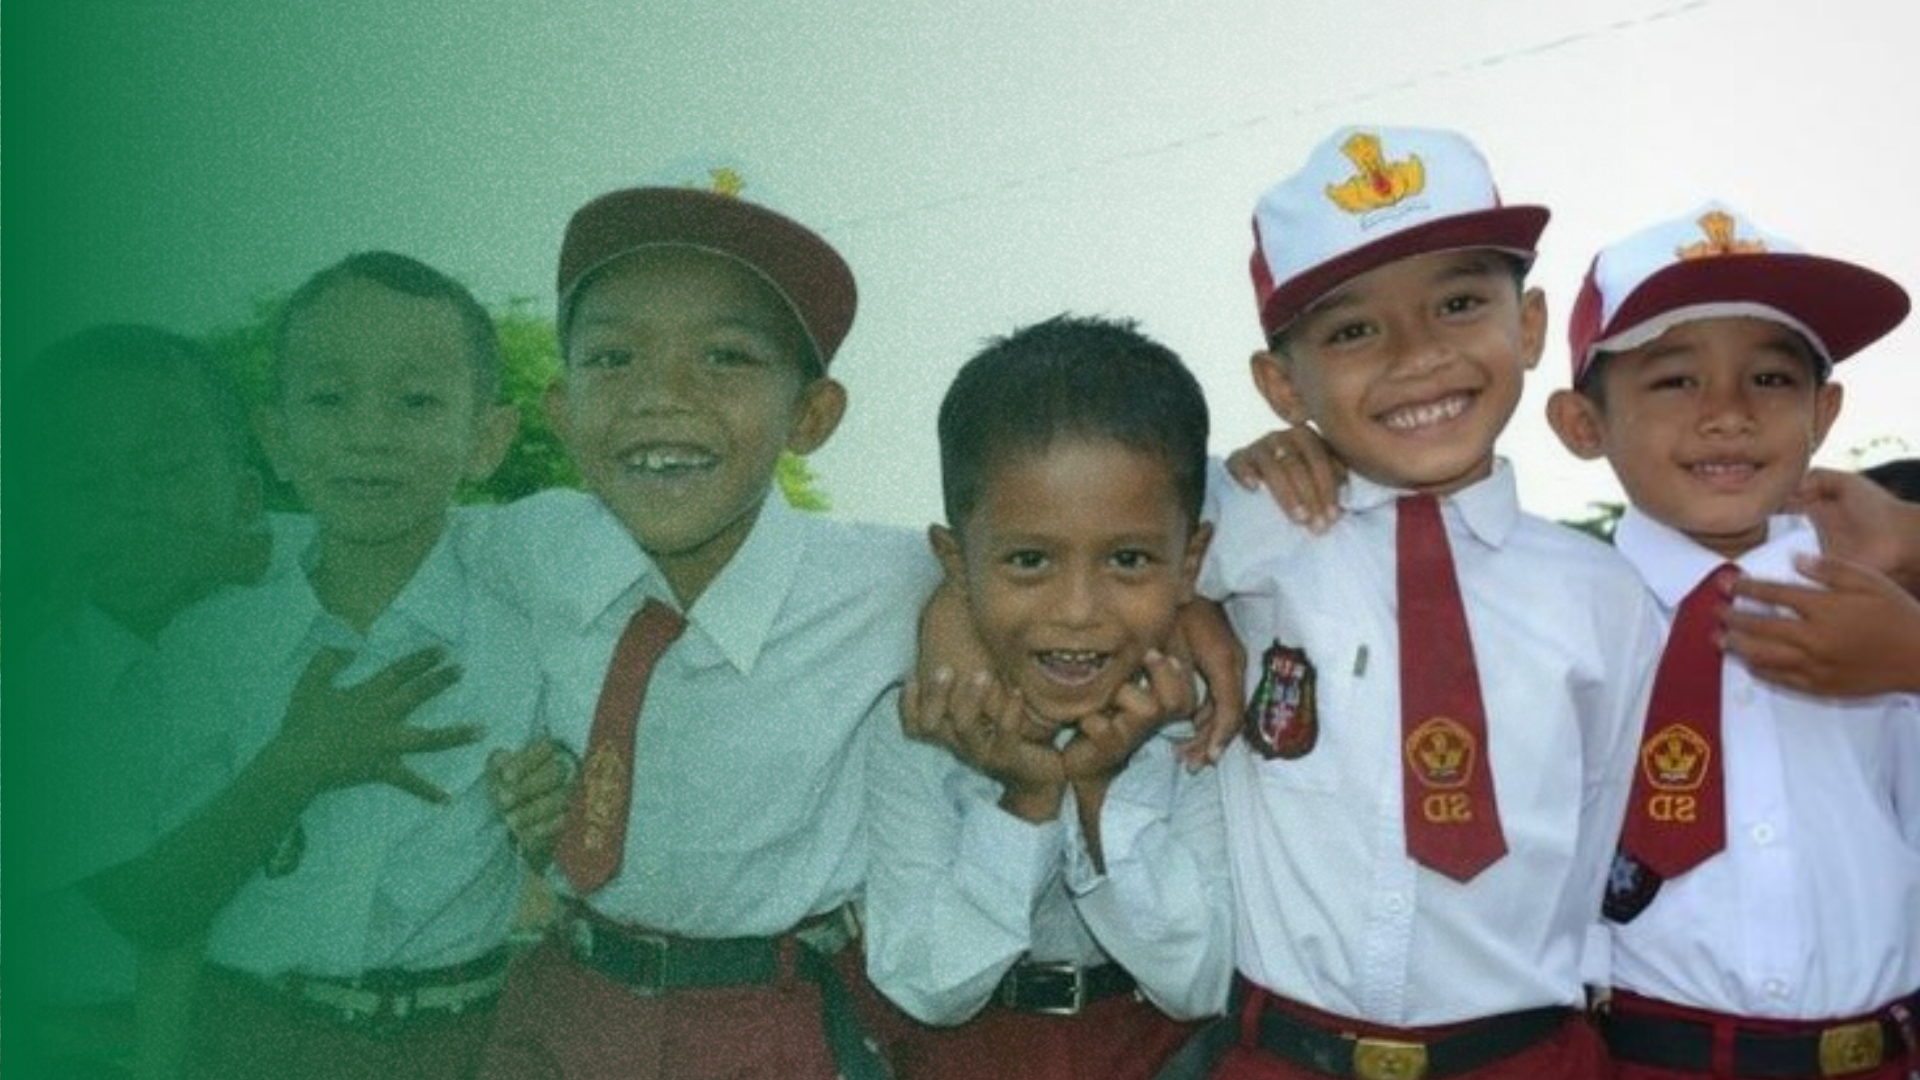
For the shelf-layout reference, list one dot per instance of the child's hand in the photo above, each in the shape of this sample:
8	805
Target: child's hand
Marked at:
531	787
991	729
1202	634
946	638
1857	635
1859	520
336	737
1298	471
1104	742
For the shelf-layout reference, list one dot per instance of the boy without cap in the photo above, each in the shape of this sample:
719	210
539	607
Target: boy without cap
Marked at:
1762	907
709	858
1073	459
1446	691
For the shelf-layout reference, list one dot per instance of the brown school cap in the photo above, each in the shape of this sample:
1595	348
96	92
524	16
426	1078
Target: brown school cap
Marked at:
802	268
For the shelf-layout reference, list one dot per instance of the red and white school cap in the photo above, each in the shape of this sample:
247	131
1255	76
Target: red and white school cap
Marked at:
1368	196
1714	263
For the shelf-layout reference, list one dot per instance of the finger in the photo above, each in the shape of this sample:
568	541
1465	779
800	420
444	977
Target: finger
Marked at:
403	671
1799	599
412	740
932	712
968	705
399	702
1171	683
1844	575
413	783
1324	476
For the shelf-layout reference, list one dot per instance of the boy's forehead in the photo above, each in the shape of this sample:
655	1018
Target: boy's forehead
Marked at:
1410	272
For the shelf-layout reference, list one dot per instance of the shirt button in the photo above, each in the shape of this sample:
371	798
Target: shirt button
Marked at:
1775	988
1396	905
1762	833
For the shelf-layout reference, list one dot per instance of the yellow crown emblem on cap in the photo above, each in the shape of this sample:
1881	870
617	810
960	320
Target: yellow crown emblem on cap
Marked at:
1718	226
1377	181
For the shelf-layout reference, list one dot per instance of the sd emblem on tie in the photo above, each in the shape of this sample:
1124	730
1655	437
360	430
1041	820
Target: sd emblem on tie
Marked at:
1281	720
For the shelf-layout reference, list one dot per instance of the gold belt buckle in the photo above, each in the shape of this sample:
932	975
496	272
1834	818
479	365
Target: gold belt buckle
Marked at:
1852	1048
1385	1059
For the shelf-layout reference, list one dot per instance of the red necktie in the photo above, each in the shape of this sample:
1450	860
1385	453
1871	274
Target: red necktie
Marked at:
1677	814
1446	779
595	834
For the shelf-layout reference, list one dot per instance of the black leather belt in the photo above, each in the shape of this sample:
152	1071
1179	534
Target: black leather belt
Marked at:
1837	1048
1060	988
1346	1054
649	963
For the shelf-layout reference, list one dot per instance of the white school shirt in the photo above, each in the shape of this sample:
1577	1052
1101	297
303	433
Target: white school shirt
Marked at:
384	879
750	758
1812	910
1327	908
960	890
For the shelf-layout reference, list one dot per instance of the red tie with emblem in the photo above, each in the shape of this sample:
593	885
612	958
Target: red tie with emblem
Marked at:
1446	779
1677	814
595	834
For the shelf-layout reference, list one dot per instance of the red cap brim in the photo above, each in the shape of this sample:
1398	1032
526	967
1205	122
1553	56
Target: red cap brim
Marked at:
1513	229
1846	307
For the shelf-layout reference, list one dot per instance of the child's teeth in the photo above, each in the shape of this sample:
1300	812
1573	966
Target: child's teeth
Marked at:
663	460
1421	415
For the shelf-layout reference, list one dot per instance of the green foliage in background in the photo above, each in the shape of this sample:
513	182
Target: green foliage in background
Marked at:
531	363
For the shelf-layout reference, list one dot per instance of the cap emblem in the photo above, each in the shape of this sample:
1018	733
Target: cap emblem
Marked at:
1718	225
1377	183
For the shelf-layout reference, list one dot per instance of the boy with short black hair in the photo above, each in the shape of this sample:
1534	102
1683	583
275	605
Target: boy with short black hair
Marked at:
1762	907
1073	463
355	893
711	856
1444	691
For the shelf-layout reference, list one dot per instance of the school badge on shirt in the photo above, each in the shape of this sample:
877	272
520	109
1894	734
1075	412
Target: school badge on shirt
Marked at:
1281	720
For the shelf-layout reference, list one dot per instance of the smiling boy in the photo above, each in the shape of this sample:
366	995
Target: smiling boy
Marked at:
1761	911
1445	691
354	892
714	658
1073	464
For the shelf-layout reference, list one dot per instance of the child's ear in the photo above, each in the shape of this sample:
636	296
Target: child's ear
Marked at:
816	414
946	548
493	432
1579	423
1826	409
1533	326
1191	559
554	402
1270	377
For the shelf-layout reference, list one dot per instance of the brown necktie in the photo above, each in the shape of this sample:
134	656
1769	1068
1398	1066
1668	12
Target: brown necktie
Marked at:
1676	816
1446	784
595	834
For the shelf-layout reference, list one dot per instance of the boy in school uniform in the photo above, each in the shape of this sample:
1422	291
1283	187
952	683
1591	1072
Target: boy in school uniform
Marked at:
710	857
336	845
1073	456
1761	911
137	468
1444	692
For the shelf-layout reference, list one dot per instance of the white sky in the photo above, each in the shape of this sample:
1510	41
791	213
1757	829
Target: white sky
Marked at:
980	165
